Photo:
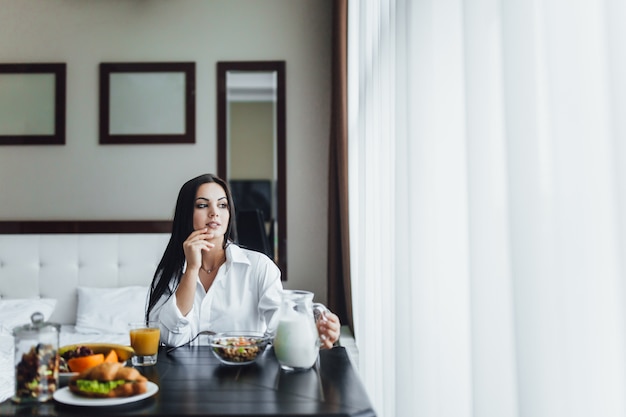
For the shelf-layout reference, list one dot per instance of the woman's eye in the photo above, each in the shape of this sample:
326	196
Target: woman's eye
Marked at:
200	206
223	205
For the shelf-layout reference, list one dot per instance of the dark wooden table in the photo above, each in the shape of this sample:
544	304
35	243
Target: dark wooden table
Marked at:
192	382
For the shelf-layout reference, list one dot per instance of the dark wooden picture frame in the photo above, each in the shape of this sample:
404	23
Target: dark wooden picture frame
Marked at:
158	94
31	105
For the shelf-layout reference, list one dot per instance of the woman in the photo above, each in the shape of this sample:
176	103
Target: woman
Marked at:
206	282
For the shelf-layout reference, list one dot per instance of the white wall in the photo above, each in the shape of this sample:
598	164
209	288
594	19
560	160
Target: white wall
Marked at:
87	181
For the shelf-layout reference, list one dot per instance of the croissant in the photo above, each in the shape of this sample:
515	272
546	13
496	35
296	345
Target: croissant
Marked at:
109	380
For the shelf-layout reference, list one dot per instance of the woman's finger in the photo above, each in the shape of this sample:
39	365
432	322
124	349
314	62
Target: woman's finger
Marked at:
329	329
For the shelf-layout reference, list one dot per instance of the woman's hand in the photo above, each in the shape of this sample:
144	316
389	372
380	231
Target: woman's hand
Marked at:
197	241
193	247
328	326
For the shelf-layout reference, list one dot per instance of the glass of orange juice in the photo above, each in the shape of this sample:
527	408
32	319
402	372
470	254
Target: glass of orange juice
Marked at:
144	339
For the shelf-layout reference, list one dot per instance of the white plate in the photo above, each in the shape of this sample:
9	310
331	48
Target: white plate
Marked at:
65	396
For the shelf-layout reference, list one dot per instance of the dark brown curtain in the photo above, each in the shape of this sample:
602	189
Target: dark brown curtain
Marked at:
339	286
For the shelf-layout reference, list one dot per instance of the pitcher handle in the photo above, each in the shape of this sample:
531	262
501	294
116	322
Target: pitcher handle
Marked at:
319	313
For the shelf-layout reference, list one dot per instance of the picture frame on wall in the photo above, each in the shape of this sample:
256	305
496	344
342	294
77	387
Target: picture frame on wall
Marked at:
32	103
147	103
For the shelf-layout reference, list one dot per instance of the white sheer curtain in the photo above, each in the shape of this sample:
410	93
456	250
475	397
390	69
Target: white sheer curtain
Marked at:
488	205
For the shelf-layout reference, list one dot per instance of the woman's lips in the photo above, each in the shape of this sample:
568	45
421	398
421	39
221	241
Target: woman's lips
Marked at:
213	225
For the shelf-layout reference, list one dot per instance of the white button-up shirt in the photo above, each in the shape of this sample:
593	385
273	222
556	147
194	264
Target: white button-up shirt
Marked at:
245	295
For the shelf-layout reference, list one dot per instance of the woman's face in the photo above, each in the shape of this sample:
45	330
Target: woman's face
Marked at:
211	209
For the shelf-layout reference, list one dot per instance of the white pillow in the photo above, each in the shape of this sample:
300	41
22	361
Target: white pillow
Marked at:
16	312
109	310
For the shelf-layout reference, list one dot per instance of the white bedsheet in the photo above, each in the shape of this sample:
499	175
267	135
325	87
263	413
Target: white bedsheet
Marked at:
7	369
69	336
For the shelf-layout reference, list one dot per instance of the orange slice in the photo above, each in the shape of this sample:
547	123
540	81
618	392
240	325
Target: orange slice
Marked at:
85	362
111	357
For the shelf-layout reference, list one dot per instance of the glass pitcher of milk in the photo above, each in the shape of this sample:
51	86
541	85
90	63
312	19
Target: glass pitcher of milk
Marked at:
297	342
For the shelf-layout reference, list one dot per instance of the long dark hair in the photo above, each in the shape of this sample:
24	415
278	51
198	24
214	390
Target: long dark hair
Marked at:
170	268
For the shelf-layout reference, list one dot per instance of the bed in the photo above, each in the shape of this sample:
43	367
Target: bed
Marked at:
91	278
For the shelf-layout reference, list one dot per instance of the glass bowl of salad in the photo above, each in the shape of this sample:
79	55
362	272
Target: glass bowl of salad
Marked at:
238	348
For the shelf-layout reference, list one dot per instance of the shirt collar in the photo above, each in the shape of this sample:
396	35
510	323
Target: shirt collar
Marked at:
234	254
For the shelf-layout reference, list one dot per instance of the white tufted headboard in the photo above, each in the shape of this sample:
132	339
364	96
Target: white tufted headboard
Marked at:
54	265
